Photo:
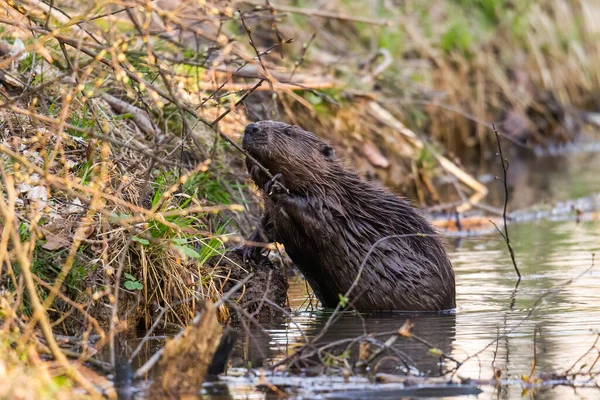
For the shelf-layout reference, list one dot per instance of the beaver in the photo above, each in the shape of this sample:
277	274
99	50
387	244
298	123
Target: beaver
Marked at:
333	225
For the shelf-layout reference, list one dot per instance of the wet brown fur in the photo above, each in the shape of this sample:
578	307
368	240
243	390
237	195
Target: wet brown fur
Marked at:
331	218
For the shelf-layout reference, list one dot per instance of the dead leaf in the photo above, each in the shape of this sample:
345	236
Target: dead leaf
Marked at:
364	350
405	329
39	195
75	207
374	156
43	52
55	242
85	232
23	187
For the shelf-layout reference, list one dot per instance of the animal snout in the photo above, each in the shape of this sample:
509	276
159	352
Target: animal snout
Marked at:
251	129
253	136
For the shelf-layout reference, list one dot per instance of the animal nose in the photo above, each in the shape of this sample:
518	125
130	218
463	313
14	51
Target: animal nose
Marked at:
251	129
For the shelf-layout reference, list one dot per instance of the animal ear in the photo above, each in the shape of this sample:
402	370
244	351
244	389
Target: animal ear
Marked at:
328	152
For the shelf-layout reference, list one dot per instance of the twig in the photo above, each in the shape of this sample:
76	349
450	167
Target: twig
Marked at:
8	211
388	344
73	304
494	370
237	72
92	134
220	117
405	332
302	55
534	362
585	354
594	363
155	324
75	44
550	292
251	41
504	181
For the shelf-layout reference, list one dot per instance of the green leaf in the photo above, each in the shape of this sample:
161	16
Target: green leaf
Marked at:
313	99
179	241
61	381
187	251
343	300
130	277
435	352
133	285
140	240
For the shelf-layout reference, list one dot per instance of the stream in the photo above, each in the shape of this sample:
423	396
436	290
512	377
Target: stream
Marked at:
566	319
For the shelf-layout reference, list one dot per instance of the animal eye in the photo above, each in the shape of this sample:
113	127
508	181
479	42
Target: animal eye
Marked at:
288	131
328	152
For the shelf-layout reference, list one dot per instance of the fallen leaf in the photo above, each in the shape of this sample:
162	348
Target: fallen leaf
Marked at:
405	329
43	52
85	232
23	187
364	350
374	156
55	242
75	207
39	195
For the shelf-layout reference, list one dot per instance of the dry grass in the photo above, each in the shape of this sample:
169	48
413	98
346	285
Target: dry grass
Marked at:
27	377
452	68
111	206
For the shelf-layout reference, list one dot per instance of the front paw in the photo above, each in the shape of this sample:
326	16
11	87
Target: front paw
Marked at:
251	253
275	188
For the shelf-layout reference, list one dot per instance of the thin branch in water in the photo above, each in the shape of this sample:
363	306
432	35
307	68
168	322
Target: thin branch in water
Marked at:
585	354
534	362
504	181
156	356
534	307
115	306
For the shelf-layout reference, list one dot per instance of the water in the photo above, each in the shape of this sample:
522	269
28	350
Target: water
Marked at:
565	314
549	254
558	298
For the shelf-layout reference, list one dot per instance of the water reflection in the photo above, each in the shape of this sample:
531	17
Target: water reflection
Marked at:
495	322
537	180
492	325
549	255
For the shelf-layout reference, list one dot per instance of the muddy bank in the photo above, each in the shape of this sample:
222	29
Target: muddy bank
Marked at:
264	296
